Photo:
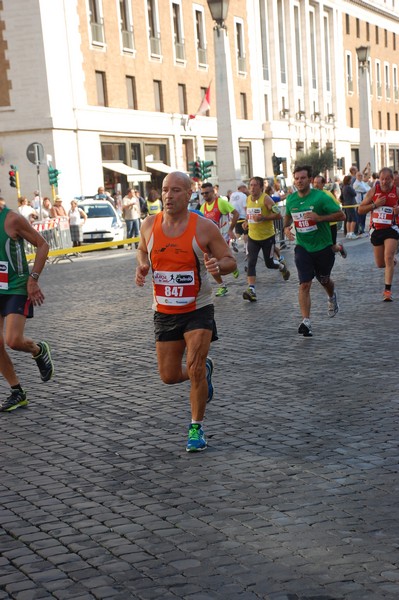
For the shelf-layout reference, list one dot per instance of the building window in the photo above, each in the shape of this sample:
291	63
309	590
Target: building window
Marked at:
368	32
349	72
395	83
387	83
264	39
397	121
243	106
153	29
313	49
101	84
378	79
281	39
394	41
386	38
181	88
178	37
245	166
327	60
347	25
200	37
131	92
203	92
96	22
357	28
350	117
377	35
379	120
388	121
298	54
126	26
158	96
240	48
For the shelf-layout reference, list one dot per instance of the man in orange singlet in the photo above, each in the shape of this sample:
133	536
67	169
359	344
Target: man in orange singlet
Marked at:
180	247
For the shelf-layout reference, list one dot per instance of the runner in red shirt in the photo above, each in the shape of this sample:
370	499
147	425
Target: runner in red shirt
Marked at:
382	202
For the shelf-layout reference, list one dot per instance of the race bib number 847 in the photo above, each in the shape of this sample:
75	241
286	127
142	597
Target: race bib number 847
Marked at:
174	288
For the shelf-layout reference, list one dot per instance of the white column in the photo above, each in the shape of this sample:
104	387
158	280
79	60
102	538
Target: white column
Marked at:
366	150
228	155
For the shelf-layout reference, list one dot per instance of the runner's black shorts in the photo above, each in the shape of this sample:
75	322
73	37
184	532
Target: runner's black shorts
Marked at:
15	304
239	228
171	328
334	229
378	236
314	264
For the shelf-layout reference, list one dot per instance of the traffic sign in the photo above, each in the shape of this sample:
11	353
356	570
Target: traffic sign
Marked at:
35	153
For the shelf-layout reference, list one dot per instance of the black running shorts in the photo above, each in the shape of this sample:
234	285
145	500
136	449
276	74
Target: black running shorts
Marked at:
314	264
15	304
171	328
378	236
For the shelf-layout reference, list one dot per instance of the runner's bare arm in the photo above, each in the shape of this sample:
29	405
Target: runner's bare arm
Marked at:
143	263
367	203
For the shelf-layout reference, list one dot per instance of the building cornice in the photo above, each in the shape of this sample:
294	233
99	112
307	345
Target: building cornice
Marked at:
380	10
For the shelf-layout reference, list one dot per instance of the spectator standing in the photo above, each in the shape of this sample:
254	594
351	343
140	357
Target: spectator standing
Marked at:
361	188
57	209
238	200
26	210
76	215
348	199
46	209
131	214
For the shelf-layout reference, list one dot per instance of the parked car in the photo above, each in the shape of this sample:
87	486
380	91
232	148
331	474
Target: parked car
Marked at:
103	224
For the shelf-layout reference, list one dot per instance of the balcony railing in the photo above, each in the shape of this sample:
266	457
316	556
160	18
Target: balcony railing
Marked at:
379	90
202	56
242	64
128	39
180	51
350	84
396	93
97	32
155	45
387	91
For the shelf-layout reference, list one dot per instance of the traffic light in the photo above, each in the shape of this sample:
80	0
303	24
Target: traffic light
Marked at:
53	175
195	170
192	168
276	161
206	170
13	176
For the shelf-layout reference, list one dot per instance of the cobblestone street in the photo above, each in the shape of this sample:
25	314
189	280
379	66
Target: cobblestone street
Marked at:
296	497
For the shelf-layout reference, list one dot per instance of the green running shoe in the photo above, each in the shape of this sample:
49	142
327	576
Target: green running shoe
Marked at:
250	295
196	438
15	400
44	362
222	291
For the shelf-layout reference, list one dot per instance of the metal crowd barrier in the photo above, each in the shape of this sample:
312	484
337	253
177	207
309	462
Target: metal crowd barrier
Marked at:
56	233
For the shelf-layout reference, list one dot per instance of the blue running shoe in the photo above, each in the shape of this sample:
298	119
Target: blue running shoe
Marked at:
209	371
196	438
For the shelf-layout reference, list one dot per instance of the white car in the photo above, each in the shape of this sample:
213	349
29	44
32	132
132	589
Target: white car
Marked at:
103	224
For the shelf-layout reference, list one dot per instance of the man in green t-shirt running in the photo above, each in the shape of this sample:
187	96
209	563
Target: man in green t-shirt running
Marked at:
311	212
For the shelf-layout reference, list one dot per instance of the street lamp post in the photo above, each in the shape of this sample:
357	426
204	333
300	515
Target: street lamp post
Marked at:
366	150
228	154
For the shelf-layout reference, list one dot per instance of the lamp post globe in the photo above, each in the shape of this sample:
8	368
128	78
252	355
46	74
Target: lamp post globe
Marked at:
219	9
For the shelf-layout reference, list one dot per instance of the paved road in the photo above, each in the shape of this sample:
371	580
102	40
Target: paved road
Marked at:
296	497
